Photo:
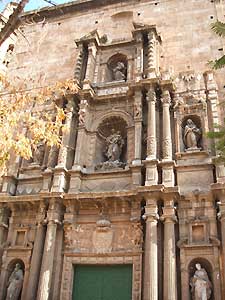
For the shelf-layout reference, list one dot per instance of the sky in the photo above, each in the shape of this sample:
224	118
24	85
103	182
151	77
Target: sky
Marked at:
33	4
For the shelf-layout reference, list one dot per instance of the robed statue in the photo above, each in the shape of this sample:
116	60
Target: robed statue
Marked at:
201	287
114	145
119	72
15	283
192	135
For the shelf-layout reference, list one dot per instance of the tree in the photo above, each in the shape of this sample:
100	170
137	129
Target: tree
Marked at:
13	22
219	130
219	28
28	117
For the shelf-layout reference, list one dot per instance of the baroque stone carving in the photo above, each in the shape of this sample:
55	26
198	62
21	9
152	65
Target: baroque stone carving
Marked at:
201	287
38	155
137	238
114	146
191	136
82	112
15	283
137	110
119	72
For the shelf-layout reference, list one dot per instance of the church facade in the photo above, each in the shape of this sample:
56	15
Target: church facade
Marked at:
132	204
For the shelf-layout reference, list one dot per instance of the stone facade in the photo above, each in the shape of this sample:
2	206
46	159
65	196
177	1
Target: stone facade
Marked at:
135	180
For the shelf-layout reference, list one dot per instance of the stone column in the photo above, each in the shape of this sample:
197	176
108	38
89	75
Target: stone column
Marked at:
80	135
151	54
45	281
37	254
138	124
89	76
170	276
151	162
4	215
66	139
4	220
79	62
222	221
167	163
151	252
139	58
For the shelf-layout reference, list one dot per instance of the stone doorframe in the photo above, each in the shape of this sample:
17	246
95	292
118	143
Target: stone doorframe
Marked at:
96	259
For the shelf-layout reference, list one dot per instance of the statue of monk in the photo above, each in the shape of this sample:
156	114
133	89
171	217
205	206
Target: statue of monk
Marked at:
201	287
192	135
15	283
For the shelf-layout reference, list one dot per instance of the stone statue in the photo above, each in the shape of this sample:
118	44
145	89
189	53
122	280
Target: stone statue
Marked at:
114	146
192	135
119	72
201	287
15	283
38	155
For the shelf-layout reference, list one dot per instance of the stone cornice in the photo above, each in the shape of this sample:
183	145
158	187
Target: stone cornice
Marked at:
74	6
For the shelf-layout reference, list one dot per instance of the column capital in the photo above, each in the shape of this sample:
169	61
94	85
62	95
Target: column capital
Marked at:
151	95
151	211
166	99
169	215
151	35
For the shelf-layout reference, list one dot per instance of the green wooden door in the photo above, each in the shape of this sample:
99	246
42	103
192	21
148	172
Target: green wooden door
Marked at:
102	282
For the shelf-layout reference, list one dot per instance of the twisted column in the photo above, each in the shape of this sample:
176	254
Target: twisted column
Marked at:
79	62
151	55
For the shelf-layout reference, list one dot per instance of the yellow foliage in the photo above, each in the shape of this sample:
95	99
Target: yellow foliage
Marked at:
28	117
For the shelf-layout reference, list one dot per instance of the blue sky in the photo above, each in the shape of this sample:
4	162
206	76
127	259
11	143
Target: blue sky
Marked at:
33	4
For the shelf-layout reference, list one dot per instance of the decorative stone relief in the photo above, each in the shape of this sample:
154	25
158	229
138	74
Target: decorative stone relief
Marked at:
201	287
82	112
103	236
137	110
78	237
15	283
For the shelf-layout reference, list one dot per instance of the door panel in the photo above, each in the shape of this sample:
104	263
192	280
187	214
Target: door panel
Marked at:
102	282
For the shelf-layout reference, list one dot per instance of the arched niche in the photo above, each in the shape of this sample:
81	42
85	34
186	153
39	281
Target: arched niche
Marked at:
205	264
197	122
116	68
108	126
9	270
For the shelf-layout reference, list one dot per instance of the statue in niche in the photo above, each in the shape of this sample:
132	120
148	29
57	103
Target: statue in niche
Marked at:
114	146
38	155
15	283
119	72
192	135
201	287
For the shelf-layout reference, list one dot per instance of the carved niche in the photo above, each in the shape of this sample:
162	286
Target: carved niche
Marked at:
111	144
